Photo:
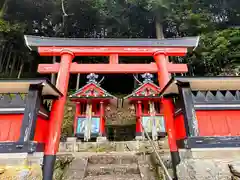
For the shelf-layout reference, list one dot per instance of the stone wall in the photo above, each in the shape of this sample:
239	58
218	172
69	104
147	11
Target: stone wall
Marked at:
106	146
21	166
208	164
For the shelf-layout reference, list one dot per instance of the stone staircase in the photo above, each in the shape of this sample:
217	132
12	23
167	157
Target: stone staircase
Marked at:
108	166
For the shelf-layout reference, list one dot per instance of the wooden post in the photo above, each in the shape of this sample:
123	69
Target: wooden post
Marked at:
139	119
102	123
77	113
190	120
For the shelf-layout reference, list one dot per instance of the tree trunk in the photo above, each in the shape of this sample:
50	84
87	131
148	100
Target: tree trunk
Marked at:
2	50
4	8
20	70
4	58
135	82
159	32
8	62
18	63
53	76
159	28
78	81
1	55
13	65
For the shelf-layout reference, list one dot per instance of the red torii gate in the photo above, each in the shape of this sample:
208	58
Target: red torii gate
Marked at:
69	48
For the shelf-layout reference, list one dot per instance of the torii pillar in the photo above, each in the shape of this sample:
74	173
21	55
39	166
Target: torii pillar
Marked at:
56	115
168	109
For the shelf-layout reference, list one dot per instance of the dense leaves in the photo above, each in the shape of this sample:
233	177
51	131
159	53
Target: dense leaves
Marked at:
220	48
216	21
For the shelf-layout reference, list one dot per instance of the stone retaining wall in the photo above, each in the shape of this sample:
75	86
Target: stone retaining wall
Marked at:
110	146
208	164
21	166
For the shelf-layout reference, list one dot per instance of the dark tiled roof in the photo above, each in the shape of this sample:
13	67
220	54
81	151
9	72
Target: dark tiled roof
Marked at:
36	41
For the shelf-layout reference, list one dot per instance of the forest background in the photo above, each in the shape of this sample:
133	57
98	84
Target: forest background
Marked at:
217	22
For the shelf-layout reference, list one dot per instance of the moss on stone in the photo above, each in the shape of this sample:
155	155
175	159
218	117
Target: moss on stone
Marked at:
61	164
69	113
21	171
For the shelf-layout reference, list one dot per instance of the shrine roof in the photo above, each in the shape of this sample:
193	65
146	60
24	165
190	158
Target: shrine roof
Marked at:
91	97
105	94
22	86
218	83
137	93
38	41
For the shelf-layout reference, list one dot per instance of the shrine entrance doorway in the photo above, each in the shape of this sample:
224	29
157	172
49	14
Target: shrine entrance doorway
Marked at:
120	132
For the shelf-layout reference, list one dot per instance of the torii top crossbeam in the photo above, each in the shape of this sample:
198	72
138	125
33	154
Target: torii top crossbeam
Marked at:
47	46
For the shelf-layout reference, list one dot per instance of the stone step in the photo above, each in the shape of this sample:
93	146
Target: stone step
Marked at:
171	172
112	169
76	169
116	177
112	159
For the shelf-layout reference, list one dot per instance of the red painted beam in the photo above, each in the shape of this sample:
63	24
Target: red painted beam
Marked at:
107	51
111	68
113	59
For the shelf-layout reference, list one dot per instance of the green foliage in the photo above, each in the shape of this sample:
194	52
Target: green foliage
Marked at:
4	26
153	5
7	27
67	126
189	18
61	165
218	52
3	7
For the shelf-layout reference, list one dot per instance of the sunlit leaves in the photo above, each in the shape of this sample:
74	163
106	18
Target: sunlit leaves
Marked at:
6	27
218	50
